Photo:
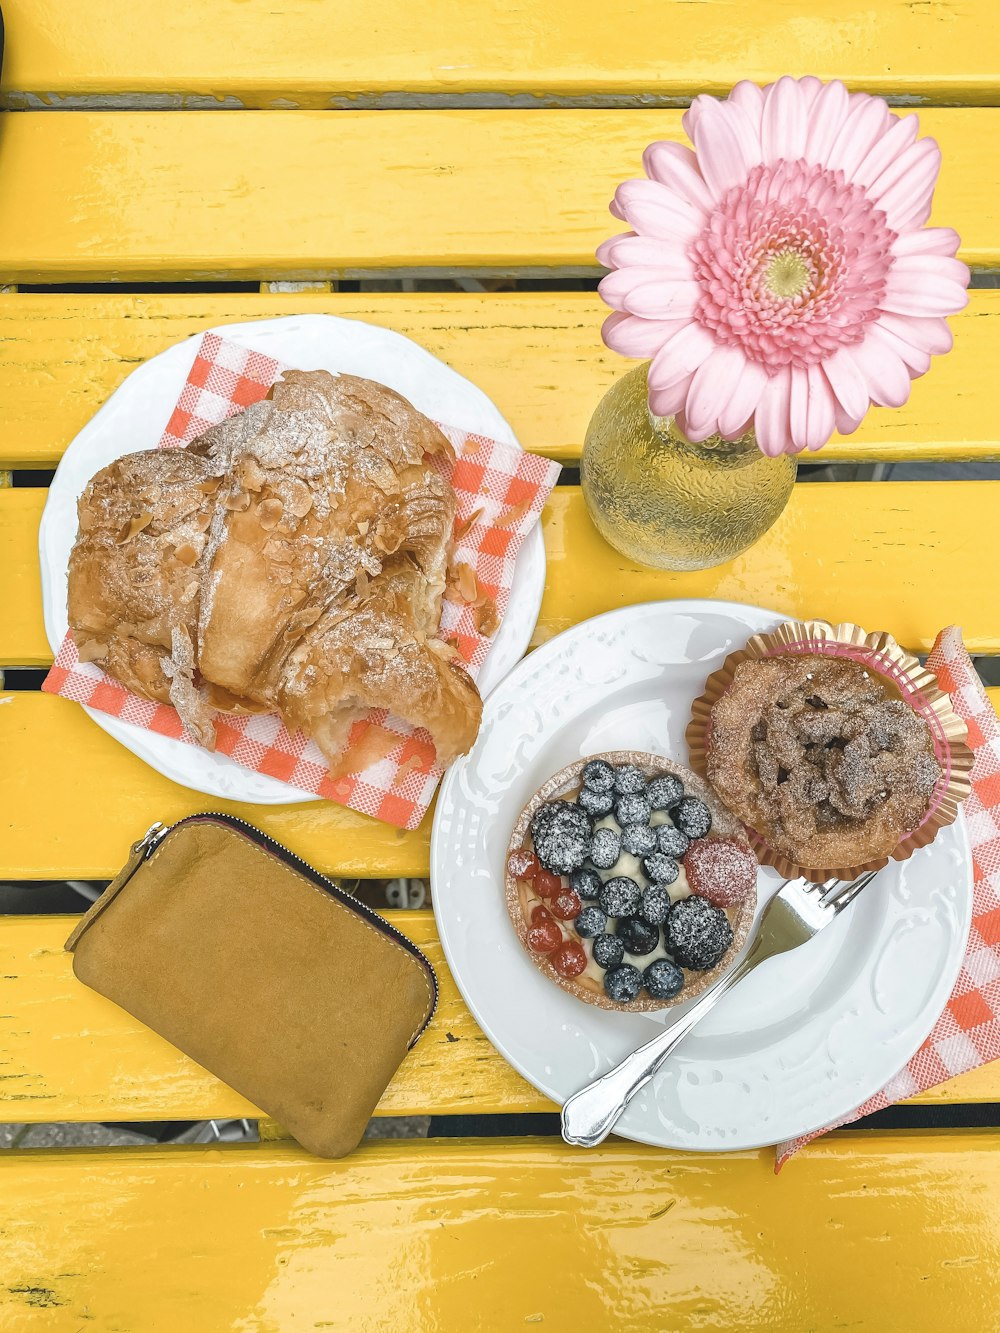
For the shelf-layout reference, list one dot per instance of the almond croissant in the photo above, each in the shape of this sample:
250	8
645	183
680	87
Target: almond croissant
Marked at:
292	559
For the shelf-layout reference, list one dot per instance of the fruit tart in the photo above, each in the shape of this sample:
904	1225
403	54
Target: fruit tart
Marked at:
628	882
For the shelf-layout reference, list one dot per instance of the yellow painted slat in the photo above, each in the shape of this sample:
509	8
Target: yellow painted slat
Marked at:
539	356
310	195
68	1054
508	1234
95	798
307	54
907	557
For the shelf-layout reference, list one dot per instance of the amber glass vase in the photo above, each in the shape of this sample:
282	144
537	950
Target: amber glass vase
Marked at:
664	501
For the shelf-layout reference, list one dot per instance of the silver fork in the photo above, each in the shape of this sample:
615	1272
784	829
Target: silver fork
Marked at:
797	912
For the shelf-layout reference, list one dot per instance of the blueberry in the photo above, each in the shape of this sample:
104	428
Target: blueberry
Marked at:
663	979
605	848
561	832
638	936
698	934
608	951
629	780
672	841
654	906
638	839
631	809
596	803
660	868
585	883
620	896
665	792
692	817
598	775
623	983
591	922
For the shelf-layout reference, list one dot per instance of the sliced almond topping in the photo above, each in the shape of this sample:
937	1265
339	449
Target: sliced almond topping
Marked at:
239	501
252	475
134	525
189	592
210	485
186	554
485	617
361	583
514	514
91	650
468	585
468	523
269	514
203	522
363	527
374	745
299	501
441	649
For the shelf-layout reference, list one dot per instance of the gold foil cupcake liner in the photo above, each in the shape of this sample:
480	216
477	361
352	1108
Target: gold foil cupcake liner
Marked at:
881	654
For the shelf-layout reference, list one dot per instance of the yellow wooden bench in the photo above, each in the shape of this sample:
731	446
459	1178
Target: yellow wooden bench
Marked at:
327	142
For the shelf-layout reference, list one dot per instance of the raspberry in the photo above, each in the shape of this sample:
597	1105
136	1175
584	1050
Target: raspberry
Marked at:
721	870
570	959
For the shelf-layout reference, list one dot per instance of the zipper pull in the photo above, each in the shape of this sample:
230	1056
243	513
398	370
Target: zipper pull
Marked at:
144	848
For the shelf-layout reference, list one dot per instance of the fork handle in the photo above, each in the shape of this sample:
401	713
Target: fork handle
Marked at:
589	1116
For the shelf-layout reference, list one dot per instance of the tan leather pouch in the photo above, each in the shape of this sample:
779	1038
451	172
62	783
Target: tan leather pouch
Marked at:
278	982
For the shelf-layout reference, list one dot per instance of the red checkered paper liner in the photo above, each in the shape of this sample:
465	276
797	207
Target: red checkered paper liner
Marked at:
967	1034
499	487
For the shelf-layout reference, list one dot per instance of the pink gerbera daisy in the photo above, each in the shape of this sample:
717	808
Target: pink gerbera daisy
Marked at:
781	275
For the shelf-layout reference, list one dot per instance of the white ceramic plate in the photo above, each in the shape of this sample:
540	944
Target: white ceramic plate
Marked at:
134	418
809	1035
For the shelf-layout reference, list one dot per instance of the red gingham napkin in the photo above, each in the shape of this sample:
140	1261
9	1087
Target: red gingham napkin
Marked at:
398	777
967	1034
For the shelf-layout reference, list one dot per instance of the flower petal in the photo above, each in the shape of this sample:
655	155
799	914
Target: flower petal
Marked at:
798	408
726	143
927	241
784	123
827	116
681	356
884	158
669	401
629	250
916	361
926	334
631	336
749	97
652	210
675	166
907	201
771	418
820	408
711	389
743	399
919	286
884	374
867	119
846	425
658	298
847	383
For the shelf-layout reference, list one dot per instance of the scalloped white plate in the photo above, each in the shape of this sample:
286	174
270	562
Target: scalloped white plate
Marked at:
134	417
801	1042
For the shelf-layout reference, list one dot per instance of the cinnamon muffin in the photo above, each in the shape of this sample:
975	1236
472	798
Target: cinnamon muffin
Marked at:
822	758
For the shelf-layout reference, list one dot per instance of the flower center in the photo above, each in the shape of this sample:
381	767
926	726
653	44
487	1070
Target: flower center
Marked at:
787	274
791	265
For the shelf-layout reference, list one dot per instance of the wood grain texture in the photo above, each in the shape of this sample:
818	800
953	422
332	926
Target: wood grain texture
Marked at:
147	196
305	54
68	1054
539	356
429	1235
907	557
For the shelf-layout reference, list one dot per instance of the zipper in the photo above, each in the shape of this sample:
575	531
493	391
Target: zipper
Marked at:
154	835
